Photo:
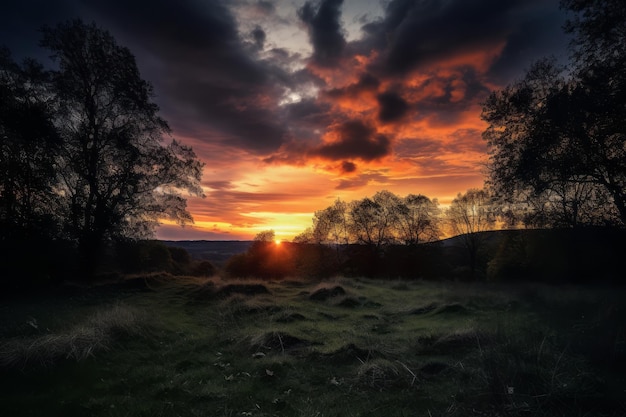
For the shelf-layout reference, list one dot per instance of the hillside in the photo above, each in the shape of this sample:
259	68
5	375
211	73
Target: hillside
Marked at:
216	251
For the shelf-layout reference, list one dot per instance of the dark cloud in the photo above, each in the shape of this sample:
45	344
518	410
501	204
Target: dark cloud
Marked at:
416	33
348	167
310	112
20	22
259	37
427	31
353	139
367	82
392	107
325	31
216	85
356	140
209	83
305	118
265	6
538	35
457	90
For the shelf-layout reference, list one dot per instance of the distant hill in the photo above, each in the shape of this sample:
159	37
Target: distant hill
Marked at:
215	251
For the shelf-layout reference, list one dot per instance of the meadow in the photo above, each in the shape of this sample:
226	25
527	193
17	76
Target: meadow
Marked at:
158	345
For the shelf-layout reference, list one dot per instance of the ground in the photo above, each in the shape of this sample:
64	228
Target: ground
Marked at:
166	346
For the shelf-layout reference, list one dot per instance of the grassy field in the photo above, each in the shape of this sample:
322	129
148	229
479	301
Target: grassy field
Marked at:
164	346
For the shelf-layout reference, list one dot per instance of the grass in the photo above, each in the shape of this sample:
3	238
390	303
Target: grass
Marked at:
188	347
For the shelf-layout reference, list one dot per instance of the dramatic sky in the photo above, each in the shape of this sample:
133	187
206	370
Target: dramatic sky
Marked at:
292	104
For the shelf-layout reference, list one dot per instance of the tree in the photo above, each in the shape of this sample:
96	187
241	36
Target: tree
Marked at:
469	216
330	225
29	144
560	136
265	237
373	221
598	101
418	220
116	178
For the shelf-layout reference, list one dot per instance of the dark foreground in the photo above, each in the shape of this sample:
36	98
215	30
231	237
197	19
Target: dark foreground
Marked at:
168	346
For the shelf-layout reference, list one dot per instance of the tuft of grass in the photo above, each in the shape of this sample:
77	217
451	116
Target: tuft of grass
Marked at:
383	374
95	334
323	292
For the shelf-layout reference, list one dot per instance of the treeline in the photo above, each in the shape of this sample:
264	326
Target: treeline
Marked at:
380	220
83	164
382	235
575	255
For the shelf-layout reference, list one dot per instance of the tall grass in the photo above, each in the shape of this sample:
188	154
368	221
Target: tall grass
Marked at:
94	334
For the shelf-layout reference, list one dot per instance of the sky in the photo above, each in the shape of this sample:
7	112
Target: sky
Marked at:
292	104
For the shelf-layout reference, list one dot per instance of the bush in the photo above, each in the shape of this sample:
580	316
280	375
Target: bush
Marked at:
203	269
265	260
143	256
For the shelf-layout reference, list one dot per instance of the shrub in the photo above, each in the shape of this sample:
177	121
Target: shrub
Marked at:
203	269
143	256
96	333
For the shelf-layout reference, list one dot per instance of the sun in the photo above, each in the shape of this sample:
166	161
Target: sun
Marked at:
277	242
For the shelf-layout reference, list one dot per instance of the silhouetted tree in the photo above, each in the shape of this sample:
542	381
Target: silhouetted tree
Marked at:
265	258
330	225
264	237
29	145
373	220
469	216
559	137
418	219
116	177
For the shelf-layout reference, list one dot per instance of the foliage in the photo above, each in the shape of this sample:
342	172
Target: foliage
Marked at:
28	149
115	176
379	221
469	216
265	258
82	146
557	137
265	236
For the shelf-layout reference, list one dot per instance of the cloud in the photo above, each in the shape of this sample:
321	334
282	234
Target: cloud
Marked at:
265	6
211	78
310	112
366	83
238	81
362	180
259	36
355	140
325	31
392	107
218	185
20	23
348	167
538	34
415	34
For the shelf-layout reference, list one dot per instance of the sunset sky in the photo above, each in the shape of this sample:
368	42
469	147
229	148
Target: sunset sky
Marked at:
292	104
